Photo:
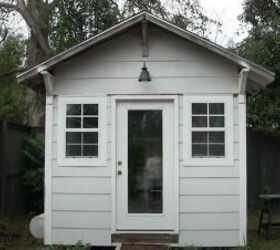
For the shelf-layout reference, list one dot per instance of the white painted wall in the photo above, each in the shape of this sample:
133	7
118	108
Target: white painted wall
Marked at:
209	196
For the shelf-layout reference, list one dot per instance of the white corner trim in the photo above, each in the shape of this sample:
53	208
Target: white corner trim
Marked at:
242	168
99	161
242	81
187	142
48	82
48	171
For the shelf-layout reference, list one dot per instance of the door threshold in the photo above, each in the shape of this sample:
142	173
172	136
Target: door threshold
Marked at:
160	238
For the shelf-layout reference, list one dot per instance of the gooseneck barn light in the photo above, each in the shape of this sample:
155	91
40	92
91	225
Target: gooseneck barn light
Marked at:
145	75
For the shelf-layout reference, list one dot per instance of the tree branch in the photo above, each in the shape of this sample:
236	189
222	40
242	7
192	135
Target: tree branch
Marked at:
8	6
34	26
4	36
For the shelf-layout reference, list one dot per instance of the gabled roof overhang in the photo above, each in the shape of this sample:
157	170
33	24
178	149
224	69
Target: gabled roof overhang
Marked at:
258	76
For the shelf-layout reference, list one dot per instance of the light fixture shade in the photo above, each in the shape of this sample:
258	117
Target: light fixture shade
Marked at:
145	75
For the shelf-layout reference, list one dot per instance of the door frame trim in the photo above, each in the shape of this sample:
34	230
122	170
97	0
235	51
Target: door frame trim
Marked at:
113	102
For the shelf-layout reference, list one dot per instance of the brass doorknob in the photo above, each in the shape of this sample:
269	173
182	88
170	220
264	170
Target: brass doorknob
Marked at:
119	172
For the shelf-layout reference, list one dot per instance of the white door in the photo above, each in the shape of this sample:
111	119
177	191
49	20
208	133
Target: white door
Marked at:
145	158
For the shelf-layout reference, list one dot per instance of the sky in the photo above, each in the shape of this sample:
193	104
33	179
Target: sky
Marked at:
225	11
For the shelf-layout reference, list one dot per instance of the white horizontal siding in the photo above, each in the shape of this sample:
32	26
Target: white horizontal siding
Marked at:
209	186
81	185
70	202
209	200
160	69
81	171
97	237
214	221
209	204
209	172
219	85
81	220
176	66
81	201
210	238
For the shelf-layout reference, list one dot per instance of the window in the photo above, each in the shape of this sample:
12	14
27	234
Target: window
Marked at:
81	133
81	130
208	130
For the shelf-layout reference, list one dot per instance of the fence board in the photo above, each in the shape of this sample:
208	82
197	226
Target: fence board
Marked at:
263	166
11	167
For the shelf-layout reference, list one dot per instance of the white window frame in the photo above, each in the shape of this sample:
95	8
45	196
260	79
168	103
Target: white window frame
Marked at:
189	160
98	161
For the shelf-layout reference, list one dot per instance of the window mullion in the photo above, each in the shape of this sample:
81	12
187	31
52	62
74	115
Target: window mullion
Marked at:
82	114
82	144
208	144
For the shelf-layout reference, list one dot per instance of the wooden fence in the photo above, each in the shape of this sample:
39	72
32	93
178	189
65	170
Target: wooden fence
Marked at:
11	167
263	166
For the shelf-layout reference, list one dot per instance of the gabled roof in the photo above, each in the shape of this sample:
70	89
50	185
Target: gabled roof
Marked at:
258	75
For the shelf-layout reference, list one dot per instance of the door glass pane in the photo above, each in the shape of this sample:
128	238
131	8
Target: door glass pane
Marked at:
216	108
199	121
217	121
145	161
199	108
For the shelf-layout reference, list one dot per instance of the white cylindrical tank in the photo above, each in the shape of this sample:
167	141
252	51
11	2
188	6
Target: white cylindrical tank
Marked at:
36	226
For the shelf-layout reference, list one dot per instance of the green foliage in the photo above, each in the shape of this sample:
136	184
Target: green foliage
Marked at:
12	106
187	14
155	7
263	47
33	177
74	21
78	246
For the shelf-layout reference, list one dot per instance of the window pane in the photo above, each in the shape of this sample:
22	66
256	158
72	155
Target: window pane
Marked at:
73	122
217	137
73	150
90	109
90	150
216	108
90	137
73	109
216	150
199	121
217	121
91	122
73	137
199	137
199	150
199	108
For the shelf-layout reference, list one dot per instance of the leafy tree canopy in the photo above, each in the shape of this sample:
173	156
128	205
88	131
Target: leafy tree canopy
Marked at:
12	106
263	47
187	14
73	21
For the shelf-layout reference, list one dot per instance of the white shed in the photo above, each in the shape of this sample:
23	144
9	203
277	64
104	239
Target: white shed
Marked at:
154	160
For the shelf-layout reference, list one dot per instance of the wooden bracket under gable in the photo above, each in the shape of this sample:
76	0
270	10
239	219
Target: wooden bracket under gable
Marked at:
242	82
145	47
48	81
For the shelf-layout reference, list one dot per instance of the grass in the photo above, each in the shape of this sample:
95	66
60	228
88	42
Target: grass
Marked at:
259	242
14	235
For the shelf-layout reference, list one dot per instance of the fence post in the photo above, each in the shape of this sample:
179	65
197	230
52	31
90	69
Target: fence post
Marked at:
3	166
